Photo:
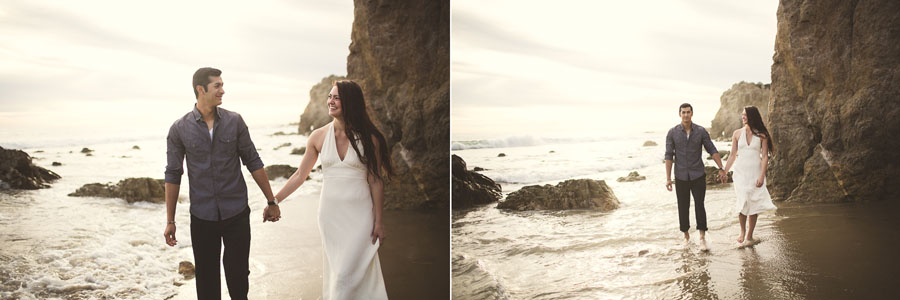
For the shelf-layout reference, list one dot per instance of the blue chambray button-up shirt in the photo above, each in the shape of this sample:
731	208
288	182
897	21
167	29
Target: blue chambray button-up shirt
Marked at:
686	151
217	187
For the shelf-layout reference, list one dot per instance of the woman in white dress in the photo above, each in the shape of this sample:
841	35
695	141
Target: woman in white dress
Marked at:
750	149
354	161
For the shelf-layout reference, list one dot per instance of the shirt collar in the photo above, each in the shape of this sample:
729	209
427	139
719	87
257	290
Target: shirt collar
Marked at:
198	116
680	126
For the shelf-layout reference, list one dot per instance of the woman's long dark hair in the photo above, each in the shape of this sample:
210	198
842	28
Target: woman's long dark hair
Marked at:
754	119
358	125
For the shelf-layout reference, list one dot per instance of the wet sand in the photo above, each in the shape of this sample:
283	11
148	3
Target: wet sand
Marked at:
286	257
816	251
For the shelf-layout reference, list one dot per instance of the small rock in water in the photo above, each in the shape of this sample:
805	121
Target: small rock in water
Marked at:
478	169
552	151
86	150
282	146
135	147
88	154
39	151
501	155
643	252
186	268
649	143
298	151
275	171
633	176
57	164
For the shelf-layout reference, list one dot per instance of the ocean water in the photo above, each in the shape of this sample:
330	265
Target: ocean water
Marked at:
638	252
633	252
56	246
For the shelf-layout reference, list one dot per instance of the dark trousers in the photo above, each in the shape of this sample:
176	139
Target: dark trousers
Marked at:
683	190
207	238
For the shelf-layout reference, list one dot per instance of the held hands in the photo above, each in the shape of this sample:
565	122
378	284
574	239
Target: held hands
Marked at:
723	176
271	213
378	233
170	235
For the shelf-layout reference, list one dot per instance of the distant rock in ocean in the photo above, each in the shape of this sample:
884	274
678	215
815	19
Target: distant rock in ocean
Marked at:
130	189
501	155
275	171
649	143
282	146
298	151
834	112
633	176
86	150
57	164
732	103
470	188
135	147
569	194
18	172
723	154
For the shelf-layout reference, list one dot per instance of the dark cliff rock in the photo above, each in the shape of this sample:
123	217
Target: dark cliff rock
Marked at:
834	111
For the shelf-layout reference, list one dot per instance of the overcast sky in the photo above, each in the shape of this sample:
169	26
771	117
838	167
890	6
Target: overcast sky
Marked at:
73	61
581	68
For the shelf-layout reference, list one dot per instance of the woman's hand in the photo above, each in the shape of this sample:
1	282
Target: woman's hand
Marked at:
377	233
759	182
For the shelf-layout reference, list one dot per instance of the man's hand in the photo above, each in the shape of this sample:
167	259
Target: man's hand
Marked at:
669	184
377	233
271	213
170	235
723	176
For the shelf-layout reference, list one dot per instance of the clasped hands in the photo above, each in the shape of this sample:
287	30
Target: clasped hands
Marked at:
271	213
722	176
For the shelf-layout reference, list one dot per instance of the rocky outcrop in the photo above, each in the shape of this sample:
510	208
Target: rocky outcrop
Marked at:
834	112
275	171
732	103
316	113
130	189
18	172
400	55
712	174
633	176
186	269
470	188
569	194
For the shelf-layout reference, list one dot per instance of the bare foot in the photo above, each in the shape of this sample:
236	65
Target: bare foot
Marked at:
741	238
687	237
703	246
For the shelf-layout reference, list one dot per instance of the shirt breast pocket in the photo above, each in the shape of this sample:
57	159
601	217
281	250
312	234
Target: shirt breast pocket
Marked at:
226	145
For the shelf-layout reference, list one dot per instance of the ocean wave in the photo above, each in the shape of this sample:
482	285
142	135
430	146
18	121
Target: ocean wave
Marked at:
471	280
517	141
529	176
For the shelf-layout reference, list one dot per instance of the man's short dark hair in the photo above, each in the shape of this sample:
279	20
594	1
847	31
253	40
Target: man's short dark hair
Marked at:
683	105
201	78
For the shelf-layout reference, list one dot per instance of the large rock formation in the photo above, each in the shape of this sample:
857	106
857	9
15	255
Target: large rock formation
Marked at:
569	194
471	188
316	113
400	55
130	189
835	107
733	101
17	171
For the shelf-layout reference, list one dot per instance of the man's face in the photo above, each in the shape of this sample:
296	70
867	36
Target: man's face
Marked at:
214	91
686	113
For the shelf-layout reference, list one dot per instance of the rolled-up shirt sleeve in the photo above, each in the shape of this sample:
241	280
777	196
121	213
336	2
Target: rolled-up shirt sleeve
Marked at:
174	156
670	146
707	143
249	156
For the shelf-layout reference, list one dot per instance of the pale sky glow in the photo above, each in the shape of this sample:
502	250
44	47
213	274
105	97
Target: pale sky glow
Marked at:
72	61
576	68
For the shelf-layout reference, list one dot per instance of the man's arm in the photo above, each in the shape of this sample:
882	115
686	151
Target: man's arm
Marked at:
174	170
711	149
670	155
254	164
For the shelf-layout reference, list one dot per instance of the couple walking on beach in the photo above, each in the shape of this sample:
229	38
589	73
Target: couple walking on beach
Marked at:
214	141
751	145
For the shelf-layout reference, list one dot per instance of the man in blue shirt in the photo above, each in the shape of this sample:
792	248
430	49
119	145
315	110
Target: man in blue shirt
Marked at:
683	146
215	141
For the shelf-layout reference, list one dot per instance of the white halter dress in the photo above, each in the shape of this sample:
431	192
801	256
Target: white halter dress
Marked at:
352	269
750	199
